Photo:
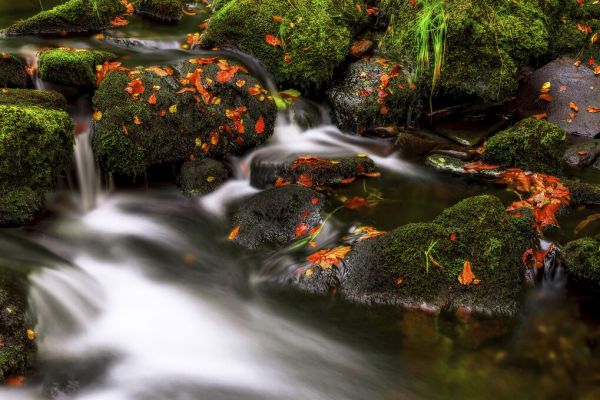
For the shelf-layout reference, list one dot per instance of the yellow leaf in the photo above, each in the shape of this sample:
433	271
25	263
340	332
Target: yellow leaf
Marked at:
31	335
173	109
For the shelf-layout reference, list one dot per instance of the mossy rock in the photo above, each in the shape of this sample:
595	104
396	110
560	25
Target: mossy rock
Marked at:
72	67
582	193
202	176
19	205
325	171
314	35
12	72
229	118
582	259
533	145
272	216
582	154
486	42
72	17
374	92
393	268
32	97
163	11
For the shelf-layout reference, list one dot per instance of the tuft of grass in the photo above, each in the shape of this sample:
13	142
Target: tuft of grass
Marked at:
428	254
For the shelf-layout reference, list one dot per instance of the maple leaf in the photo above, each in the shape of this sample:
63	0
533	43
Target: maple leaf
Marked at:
273	40
367	232
305	180
356	202
327	258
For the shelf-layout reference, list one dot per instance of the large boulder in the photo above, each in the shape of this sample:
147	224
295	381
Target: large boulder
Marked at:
12	72
427	265
164	11
202	176
533	145
582	259
202	107
72	17
374	92
71	67
277	216
567	93
300	44
32	97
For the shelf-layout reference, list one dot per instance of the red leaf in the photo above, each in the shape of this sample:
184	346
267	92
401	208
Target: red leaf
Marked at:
356	202
305	180
272	40
301	229
259	127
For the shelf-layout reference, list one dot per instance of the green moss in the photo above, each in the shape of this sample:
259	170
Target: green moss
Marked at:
18	205
316	44
202	176
12	72
583	193
582	259
534	145
32	97
72	67
74	16
486	41
35	145
166	11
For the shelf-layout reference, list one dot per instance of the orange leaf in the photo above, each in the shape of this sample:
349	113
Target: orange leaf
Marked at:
259	127
546	97
356	202
15	380
592	109
540	116
152	99
234	233
314	200
466	277
277	19
573	106
272	40
305	180
301	229
326	258
118	21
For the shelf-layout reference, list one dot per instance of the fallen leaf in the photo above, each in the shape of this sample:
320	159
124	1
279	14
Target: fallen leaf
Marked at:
272	40
466	277
573	106
259	127
592	109
326	258
152	99
15	381
546	97
233	234
301	229
305	180
356	202
97	115
540	116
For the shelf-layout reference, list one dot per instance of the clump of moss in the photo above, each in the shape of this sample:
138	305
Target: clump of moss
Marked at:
309	40
419	264
202	176
485	42
582	259
35	145
72	67
31	97
18	205
534	145
582	193
165	11
12	72
72	17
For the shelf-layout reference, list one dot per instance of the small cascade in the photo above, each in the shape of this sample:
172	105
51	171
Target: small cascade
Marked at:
555	277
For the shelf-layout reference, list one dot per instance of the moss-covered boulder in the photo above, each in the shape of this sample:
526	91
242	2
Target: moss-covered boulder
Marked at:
582	193
202	176
582	259
203	107
534	145
164	11
483	42
36	144
32	97
71	67
423	264
72	17
309	170
12	72
277	216
300	42
374	92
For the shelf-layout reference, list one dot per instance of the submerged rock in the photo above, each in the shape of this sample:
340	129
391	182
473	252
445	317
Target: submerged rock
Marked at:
568	84
582	259
12	72
202	176
423	264
582	154
300	44
276	216
31	97
374	92
72	17
533	145
204	107
310	170
72	67
164	11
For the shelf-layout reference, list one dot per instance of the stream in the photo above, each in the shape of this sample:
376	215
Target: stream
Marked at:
145	298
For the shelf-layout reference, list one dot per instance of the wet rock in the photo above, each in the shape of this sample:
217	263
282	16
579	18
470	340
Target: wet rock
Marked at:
568	84
72	17
72	67
419	143
582	193
582	260
582	154
12	72
202	176
418	265
310	170
31	97
273	216
361	48
164	11
36	144
534	145
305	45
204	107
373	92
456	166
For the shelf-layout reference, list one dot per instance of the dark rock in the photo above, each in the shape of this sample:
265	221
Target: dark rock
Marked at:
582	154
456	166
273	216
12	72
164	11
202	176
582	260
325	171
72	67
583	193
568	84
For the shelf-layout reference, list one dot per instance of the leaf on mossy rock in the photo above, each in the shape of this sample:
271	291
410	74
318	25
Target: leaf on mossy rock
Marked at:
327	258
272	40
467	277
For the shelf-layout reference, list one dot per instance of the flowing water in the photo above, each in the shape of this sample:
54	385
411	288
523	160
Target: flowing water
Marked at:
139	294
